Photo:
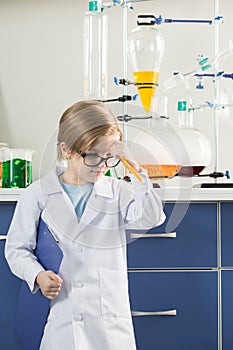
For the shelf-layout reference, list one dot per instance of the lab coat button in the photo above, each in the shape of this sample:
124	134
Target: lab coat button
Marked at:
79	284
79	317
78	249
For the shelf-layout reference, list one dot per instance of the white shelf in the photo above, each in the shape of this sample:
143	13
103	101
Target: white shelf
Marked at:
195	194
186	194
10	194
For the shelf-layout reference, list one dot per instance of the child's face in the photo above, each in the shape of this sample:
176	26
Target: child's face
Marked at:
86	173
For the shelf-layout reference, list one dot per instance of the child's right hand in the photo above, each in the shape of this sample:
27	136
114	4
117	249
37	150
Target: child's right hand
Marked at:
49	283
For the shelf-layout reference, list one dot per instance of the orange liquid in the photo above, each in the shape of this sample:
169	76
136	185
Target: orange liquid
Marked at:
146	89
161	170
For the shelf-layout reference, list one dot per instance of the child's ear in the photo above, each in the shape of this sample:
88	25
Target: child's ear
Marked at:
65	150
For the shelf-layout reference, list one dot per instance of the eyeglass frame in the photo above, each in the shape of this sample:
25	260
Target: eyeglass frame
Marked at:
102	159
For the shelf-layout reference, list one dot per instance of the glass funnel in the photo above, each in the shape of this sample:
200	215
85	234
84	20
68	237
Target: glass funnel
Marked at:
197	146
145	52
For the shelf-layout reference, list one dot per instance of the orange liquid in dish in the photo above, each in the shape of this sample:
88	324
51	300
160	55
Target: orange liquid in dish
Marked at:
146	81
161	170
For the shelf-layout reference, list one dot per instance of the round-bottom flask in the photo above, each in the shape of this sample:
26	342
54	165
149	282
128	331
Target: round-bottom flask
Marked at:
158	148
197	146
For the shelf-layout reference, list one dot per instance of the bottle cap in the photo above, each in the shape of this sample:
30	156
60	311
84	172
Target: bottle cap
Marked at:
182	106
93	6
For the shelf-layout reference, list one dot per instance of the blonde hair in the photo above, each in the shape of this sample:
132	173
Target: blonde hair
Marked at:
82	124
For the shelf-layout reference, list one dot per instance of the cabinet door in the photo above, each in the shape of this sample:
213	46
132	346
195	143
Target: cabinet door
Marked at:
6	214
192	295
227	309
9	288
227	234
192	243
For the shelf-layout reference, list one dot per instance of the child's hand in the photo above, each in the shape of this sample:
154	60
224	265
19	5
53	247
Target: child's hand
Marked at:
49	283
120	150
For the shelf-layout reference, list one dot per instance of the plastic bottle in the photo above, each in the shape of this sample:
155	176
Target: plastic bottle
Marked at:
95	52
196	144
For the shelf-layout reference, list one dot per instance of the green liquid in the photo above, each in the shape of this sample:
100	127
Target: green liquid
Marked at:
16	173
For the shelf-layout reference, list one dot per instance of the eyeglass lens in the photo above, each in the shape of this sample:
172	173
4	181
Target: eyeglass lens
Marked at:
94	160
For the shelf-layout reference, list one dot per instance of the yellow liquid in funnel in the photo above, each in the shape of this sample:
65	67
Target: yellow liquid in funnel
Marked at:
146	81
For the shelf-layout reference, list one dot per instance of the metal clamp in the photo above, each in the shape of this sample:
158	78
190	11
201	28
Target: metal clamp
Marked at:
154	313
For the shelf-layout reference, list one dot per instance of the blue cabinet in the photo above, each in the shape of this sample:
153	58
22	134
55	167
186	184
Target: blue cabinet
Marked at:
192	243
226	210
191	298
227	309
9	289
176	272
226	235
180	280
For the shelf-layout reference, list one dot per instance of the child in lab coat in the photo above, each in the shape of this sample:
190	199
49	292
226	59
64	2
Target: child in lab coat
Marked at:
88	213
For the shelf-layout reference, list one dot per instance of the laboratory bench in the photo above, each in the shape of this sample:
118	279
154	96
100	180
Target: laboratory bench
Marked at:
180	273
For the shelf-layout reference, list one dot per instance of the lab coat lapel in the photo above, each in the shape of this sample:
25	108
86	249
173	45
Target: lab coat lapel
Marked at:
59	210
102	189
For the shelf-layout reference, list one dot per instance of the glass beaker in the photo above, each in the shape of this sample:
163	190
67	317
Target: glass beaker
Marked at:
145	51
17	167
3	146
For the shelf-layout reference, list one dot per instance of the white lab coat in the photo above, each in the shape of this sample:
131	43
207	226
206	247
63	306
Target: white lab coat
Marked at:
92	311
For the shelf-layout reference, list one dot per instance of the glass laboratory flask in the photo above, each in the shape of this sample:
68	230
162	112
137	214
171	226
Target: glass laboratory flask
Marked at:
17	167
95	52
197	146
145	52
3	146
158	148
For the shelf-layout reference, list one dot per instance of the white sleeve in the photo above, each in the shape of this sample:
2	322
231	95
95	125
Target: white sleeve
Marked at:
142	207
21	240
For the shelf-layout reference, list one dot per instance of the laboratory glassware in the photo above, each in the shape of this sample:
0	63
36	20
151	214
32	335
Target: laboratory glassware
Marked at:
95	32
145	52
197	146
17	167
2	147
157	147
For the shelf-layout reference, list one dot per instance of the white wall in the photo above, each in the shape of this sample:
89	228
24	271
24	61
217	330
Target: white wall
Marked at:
41	67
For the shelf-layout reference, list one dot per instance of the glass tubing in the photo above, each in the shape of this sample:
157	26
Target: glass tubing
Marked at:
125	6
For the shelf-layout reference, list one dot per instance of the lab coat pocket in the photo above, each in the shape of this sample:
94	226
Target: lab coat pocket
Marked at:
114	293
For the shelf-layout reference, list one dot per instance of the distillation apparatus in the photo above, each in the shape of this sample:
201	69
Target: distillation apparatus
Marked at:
144	47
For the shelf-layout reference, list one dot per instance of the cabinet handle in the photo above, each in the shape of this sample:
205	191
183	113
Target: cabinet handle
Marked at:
2	237
154	313
153	235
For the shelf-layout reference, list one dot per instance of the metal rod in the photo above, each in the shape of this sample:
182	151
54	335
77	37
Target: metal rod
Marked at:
170	20
125	75
216	88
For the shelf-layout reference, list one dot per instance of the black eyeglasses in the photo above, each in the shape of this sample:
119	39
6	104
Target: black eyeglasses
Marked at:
93	159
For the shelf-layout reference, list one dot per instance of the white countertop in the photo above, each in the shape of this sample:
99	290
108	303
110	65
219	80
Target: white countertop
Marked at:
167	194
